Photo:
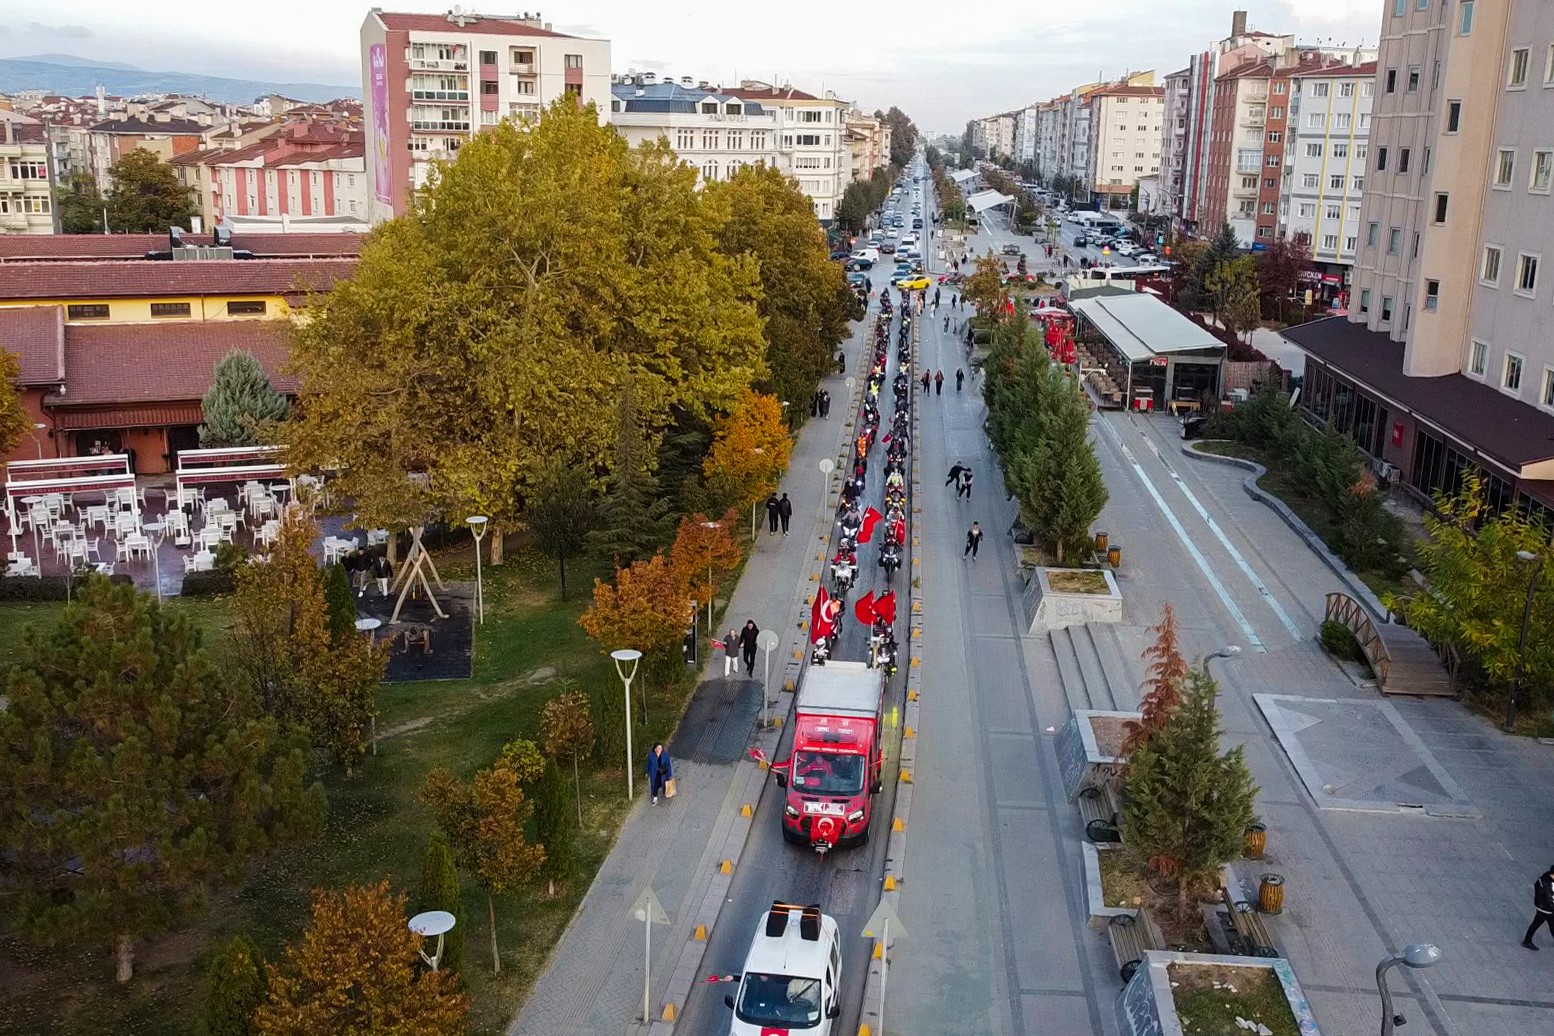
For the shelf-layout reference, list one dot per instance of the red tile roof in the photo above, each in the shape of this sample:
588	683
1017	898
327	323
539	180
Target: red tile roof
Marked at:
56	247
769	93
36	335
1338	71
484	24
1122	90
140	279
161	363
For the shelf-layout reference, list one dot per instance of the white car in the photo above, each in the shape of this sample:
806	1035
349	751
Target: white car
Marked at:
1126	248
792	977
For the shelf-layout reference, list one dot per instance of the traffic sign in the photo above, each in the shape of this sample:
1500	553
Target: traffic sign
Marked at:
648	908
883	920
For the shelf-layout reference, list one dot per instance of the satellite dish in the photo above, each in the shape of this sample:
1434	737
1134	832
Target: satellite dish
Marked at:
433	922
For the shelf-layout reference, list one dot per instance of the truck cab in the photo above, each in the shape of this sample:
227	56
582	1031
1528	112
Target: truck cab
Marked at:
792	975
836	766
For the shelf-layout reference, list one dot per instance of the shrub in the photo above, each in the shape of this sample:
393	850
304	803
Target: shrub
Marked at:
208	584
609	727
23	588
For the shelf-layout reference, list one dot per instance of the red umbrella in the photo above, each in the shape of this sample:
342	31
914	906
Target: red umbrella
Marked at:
863	609
871	518
885	607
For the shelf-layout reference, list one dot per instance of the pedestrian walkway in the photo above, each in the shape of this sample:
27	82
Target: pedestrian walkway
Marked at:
593	984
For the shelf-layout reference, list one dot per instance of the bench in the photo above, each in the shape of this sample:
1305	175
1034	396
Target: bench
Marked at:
1131	937
1248	934
1101	811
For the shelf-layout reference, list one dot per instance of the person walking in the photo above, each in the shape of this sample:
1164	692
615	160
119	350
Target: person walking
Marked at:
771	514
730	652
973	541
1542	905
825	403
747	646
382	572
960	378
946	323
938	383
660	773
927	378
784	512
936	298
964	489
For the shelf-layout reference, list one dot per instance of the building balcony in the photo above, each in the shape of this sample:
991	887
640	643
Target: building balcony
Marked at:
438	65
461	96
1253	121
430	126
522	68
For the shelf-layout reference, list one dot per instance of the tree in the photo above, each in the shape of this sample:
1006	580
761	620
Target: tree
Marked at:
1279	270
567	732
234	989
608	709
484	820
15	421
903	135
1166	671
440	891
145	197
985	288
645	608
357	972
1188	804
1063	488
1234	294
634	516
137	776
703	553
80	204
560	512
240	406
339	602
554	828
750	448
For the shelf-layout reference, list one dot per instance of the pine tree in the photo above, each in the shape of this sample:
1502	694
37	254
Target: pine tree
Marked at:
554	826
1062	491
1166	670
609	727
240	403
1188	804
340	602
440	891
235	988
634	516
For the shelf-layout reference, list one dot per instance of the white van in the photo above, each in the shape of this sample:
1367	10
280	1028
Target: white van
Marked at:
870	253
792	976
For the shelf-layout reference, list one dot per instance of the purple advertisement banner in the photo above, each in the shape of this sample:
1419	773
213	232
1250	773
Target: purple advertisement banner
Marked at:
377	56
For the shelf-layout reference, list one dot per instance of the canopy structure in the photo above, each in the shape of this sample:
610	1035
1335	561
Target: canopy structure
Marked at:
104	473
960	176
1141	327
987	200
228	464
1152	353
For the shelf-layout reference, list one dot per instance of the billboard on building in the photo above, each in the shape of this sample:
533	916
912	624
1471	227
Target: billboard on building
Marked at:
377	56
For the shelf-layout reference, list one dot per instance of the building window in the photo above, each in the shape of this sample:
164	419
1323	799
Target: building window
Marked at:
1413	78
1381	159
1527	274
1392	81
572	61
1341	150
1511	374
1274	137
488	57
1349	243
1346	89
1478	357
1516	76
1372	234
1359	184
246	308
1394	241
1336	182
1330	242
1548	67
1270	184
1267	208
169	309
1403	156
1465	18
1542	166
1386	309
1440	207
1432	295
1307	210
1489	267
1546	393
21	170
1315	119
1365	300
1313	150
1309	181
1505	168
87	311
1453	116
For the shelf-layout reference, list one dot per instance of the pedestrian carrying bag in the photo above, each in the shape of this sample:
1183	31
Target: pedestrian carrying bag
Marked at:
669	788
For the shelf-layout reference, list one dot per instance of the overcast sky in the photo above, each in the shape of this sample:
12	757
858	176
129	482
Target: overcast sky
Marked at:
940	62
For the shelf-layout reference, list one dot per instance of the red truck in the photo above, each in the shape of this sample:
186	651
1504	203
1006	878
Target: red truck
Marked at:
837	762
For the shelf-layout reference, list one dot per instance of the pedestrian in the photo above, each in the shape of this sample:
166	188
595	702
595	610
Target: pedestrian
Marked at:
973	541
356	564
954	475
784	512
730	652
771	514
938	383
382	571
660	773
955	302
747	646
946	323
960	377
814	404
825	403
927	377
1542	905
964	489
936	298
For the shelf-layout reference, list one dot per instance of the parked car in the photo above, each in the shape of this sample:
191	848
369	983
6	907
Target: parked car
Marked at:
1011	249
1081	240
1193	424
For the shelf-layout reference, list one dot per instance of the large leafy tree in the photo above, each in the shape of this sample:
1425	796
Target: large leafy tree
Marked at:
705	552
645	608
903	136
15	422
634	517
493	327
1234	294
750	450
561	512
357	972
1279	269
136	775
80	204
241	403
145	197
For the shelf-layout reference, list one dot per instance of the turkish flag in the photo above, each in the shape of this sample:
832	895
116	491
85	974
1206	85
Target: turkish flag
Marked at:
885	607
863	609
898	529
871	518
818	624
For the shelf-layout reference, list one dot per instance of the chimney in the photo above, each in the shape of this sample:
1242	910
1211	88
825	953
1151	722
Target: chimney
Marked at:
1238	23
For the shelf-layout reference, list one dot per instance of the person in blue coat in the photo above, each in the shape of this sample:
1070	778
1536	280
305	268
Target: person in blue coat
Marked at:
660	771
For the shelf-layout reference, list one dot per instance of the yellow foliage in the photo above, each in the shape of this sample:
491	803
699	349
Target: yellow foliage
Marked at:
750	449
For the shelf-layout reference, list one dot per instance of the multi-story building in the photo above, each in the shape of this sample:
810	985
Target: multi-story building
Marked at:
1048	116
1245	162
1443	363
431	81
869	140
1025	130
712	131
1123	124
162	134
303	177
26	177
1174	103
813	146
1324	168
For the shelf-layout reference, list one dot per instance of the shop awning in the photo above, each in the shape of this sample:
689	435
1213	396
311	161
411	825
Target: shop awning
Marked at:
150	416
960	176
1141	327
987	200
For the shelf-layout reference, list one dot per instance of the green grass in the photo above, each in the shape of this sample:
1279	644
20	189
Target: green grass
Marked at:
1206	1004
376	826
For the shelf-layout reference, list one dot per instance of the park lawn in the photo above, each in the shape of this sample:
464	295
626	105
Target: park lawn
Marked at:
376	826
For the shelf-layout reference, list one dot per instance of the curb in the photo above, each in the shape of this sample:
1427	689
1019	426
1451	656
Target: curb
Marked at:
1355	585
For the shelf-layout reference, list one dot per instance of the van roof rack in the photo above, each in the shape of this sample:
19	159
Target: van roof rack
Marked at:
809	920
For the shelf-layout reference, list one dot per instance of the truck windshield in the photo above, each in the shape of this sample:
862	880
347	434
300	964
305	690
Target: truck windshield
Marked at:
779	1001
825	773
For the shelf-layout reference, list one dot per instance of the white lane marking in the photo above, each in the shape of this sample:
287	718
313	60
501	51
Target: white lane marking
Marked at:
1219	534
1192	548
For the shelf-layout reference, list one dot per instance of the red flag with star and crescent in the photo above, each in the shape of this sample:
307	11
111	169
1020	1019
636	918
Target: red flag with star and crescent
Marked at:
863	609
819	620
885	607
871	518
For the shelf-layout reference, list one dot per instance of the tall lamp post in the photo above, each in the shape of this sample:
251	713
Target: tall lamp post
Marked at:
1228	651
626	660
156	532
710	589
1526	557
1419	955
37	427
477	527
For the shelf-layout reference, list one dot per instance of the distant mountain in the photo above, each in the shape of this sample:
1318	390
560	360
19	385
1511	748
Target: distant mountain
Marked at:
73	78
71	59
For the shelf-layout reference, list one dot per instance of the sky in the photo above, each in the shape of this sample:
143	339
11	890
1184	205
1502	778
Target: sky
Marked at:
940	63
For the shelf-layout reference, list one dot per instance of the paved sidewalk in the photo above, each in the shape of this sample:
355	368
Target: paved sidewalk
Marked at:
593	983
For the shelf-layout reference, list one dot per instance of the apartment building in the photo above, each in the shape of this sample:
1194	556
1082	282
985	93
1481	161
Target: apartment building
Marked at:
1328	137
432	80
1245	163
812	147
1048	136
1125	133
303	177
1025	131
1174	104
712	131
869	139
1443	363
162	134
26	177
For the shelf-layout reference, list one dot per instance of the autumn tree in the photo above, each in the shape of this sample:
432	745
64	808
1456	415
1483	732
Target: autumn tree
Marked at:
15	422
985	288
705	552
567	733
357	972
645	608
1165	671
484	819
234	989
560	512
1279	269
136	775
634	516
241	407
440	891
145	197
750	449
1234	294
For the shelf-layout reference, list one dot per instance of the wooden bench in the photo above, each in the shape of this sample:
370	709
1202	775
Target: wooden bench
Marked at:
1131	936
1101	811
1248	934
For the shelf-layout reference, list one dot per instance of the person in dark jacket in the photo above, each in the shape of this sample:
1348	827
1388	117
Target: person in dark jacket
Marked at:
785	512
1542	905
938	383
973	540
382	572
730	652
960	378
660	770
747	646
954	476
771	513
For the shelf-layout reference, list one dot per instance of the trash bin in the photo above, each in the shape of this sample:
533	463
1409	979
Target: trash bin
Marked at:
1270	894
1256	841
1101	539
1114	556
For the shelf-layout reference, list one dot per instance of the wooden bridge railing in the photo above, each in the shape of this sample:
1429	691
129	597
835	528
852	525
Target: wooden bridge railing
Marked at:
1351	614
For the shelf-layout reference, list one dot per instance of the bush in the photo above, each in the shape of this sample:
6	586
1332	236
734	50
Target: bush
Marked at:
440	891
234	989
609	727
24	588
208	584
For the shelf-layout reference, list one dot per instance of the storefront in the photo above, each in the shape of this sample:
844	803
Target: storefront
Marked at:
1159	358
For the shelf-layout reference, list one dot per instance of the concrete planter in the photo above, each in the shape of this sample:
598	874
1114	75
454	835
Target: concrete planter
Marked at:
1086	749
1049	609
1147	1006
1100	914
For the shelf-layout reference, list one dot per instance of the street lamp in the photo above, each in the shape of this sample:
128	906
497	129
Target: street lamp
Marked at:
755	508
37	427
157	532
710	593
428	924
626	660
1228	651
1418	955
1526	557
477	527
